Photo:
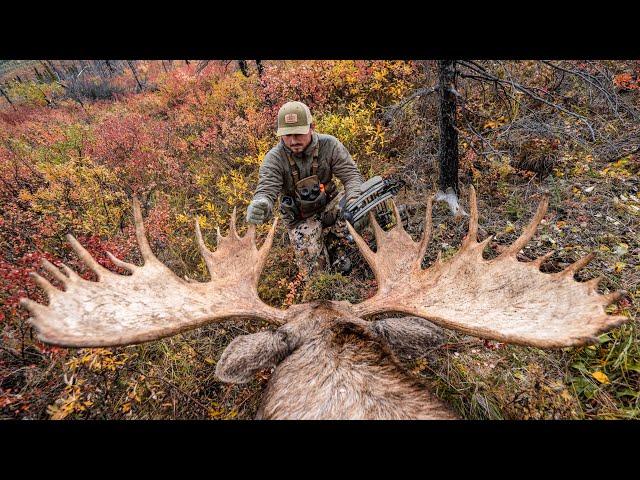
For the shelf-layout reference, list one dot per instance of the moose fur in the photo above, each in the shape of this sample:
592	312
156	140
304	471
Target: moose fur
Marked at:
331	365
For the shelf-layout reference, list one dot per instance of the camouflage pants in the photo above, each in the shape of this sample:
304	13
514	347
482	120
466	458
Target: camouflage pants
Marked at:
308	239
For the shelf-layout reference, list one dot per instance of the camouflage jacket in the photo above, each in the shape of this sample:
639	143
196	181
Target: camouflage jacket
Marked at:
333	159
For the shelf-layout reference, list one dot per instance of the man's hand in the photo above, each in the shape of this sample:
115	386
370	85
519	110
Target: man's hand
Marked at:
258	211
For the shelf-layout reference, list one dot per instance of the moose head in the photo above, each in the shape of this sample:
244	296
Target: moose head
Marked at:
330	361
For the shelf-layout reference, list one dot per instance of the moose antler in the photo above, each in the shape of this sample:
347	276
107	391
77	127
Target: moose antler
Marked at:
152	302
501	299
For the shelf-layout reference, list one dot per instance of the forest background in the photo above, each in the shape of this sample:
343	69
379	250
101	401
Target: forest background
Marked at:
78	138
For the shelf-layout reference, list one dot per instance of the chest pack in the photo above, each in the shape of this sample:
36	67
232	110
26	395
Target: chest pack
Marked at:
310	196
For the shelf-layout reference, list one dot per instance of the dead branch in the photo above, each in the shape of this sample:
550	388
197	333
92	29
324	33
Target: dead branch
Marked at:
530	93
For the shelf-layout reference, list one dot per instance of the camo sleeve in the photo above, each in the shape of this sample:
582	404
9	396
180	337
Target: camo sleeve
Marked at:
270	180
343	167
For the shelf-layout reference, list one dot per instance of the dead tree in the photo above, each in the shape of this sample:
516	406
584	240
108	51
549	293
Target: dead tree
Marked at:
109	66
135	74
448	152
53	69
4	94
549	111
448	144
242	64
201	66
331	363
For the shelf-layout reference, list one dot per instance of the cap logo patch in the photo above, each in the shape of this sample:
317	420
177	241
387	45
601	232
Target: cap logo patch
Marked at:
291	118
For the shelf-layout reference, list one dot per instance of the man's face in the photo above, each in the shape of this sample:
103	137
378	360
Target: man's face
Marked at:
297	143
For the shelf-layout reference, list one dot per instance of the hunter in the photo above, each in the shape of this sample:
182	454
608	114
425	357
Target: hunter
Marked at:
301	167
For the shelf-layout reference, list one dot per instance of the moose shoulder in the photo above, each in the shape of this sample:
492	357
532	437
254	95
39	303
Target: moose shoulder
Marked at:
331	363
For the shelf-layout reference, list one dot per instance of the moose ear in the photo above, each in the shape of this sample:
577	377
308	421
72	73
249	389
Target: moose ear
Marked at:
408	336
248	354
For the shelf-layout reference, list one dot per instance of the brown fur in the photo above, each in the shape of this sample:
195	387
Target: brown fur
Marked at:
408	337
338	368
247	354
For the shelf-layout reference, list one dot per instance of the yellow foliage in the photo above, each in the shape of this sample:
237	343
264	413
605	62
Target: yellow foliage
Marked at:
98	360
73	401
601	377
234	189
356	130
77	198
618	169
33	93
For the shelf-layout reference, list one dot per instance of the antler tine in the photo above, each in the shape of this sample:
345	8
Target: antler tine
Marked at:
119	263
577	265
542	258
592	284
55	271
378	233
86	257
44	284
35	309
143	243
472	234
524	238
269	240
614	296
204	251
396	212
367	253
232	225
70	273
266	246
250	234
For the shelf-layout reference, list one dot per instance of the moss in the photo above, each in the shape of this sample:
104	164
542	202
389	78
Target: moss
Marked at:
330	286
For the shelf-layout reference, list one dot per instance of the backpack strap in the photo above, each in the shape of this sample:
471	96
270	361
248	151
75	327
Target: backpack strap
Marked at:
314	163
293	168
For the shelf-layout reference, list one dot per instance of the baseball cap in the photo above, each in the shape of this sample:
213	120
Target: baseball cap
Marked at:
293	118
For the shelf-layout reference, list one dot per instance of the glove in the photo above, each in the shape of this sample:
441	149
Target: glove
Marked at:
258	211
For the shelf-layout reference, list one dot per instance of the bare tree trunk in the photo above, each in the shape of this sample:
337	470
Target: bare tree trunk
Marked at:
243	67
260	68
202	65
448	153
98	68
48	71
135	74
54	70
4	94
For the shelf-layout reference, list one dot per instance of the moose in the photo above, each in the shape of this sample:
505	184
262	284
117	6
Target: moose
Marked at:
330	361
